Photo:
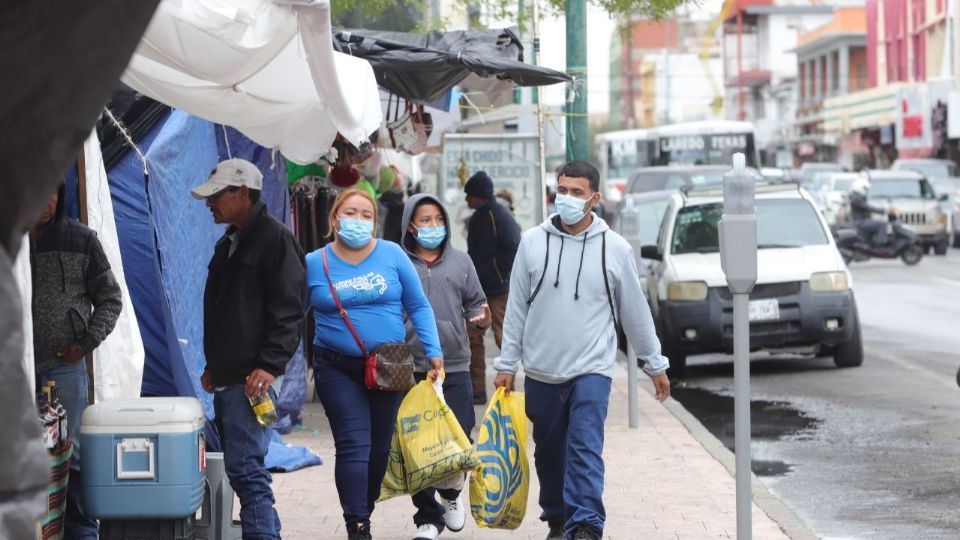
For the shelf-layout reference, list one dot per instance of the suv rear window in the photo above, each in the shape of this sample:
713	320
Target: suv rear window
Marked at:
780	224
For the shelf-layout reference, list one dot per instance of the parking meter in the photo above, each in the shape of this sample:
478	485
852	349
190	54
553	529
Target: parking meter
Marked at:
738	259
738	228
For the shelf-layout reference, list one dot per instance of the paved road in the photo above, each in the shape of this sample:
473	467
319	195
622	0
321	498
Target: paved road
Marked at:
869	452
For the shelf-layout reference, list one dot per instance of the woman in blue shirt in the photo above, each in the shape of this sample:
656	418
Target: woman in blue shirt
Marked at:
376	283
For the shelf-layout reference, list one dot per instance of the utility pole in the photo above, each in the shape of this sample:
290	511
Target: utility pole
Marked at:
577	66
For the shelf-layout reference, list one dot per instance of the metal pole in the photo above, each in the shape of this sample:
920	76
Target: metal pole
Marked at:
741	115
577	66
741	382
540	130
633	404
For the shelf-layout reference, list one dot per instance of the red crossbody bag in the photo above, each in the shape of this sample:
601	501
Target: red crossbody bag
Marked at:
390	366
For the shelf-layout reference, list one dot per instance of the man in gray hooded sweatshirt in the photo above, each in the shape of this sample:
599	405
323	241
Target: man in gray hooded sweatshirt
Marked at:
450	282
573	281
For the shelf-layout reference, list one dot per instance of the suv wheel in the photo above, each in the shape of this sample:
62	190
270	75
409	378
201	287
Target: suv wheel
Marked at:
940	248
850	353
956	239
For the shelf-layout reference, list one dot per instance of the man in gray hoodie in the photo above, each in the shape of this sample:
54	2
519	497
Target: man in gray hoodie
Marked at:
574	280
450	282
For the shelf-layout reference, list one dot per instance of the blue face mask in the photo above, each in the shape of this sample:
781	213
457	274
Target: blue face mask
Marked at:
431	237
571	209
355	233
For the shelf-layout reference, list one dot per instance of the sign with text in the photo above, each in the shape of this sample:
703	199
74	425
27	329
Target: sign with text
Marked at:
914	128
513	163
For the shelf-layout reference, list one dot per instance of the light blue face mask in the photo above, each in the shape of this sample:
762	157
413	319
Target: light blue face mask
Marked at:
571	209
431	237
355	233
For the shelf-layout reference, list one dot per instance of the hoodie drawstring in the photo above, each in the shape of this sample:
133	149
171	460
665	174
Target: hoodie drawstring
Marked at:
546	262
576	293
556	283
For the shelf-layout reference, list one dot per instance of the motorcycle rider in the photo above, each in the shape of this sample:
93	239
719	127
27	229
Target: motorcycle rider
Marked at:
861	211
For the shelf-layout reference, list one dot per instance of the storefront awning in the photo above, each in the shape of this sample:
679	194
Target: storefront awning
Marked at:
872	108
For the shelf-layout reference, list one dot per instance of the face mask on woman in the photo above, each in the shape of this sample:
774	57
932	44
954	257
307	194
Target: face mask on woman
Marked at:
355	233
431	237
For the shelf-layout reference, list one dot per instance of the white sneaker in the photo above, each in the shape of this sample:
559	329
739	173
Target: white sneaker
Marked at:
427	532
453	515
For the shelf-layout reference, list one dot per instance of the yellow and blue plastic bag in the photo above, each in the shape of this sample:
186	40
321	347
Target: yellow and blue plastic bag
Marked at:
429	446
499	486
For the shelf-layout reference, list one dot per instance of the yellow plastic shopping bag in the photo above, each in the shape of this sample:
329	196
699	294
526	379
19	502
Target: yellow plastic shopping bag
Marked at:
499	486
429	446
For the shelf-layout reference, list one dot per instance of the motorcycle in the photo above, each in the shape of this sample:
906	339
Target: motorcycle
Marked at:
902	243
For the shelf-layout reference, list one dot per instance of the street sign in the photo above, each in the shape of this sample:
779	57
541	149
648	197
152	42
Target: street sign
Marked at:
738	259
511	160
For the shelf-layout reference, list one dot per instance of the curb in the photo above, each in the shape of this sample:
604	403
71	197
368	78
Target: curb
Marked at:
789	523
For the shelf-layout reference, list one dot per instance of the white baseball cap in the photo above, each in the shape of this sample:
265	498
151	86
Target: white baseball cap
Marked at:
230	173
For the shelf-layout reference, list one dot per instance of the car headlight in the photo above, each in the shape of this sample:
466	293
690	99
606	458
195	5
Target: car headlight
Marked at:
829	282
687	291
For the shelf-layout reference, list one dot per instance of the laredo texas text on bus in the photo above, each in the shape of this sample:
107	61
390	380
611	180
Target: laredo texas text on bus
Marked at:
621	153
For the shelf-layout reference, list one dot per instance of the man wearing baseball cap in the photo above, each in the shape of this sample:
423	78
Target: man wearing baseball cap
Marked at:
253	320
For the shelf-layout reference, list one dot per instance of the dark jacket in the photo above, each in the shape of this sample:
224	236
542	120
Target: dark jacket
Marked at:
493	236
76	298
392	202
861	209
454	292
253	301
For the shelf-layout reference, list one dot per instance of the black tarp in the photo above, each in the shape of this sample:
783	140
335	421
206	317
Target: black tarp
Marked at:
136	112
422	67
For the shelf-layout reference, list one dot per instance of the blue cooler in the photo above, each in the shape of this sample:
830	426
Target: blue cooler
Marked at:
143	458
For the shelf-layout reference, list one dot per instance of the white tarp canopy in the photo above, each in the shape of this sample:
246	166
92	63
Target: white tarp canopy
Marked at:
263	67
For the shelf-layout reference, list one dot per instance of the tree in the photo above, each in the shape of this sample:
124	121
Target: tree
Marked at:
395	15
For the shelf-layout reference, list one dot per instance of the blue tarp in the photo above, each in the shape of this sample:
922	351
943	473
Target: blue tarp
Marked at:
167	238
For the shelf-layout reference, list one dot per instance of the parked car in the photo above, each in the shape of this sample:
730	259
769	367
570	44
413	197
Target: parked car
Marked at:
832	193
809	170
930	168
951	207
916	203
674	177
803	301
638	220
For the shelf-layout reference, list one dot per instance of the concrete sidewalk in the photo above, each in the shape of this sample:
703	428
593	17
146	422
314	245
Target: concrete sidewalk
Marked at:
661	483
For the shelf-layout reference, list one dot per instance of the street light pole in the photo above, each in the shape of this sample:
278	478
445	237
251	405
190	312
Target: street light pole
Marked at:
577	67
738	259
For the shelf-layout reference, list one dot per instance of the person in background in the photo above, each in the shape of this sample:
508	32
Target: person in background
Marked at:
492	239
392	201
861	212
564	332
252	323
76	304
453	289
376	283
505	198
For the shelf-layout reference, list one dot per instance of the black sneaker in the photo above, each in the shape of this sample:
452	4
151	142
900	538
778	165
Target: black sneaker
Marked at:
361	531
556	531
585	533
479	398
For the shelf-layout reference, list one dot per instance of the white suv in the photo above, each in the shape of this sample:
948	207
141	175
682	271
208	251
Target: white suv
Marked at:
803	301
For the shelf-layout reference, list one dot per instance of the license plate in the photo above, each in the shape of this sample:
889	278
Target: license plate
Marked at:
764	310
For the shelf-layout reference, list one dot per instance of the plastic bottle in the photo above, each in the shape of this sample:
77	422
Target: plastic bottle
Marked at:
264	410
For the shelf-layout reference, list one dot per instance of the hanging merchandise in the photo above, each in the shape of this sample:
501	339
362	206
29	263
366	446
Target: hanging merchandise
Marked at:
344	176
409	132
296	172
499	486
387	179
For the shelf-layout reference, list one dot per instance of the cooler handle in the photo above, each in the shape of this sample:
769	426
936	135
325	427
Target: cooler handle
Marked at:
129	446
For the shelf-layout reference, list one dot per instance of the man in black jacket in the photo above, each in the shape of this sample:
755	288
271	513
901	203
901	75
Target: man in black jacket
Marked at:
493	236
76	304
253	319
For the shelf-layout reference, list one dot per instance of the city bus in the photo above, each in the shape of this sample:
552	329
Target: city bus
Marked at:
713	142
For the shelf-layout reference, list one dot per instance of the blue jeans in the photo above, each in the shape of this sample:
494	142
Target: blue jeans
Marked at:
875	230
568	433
362	422
245	444
72	383
458	393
